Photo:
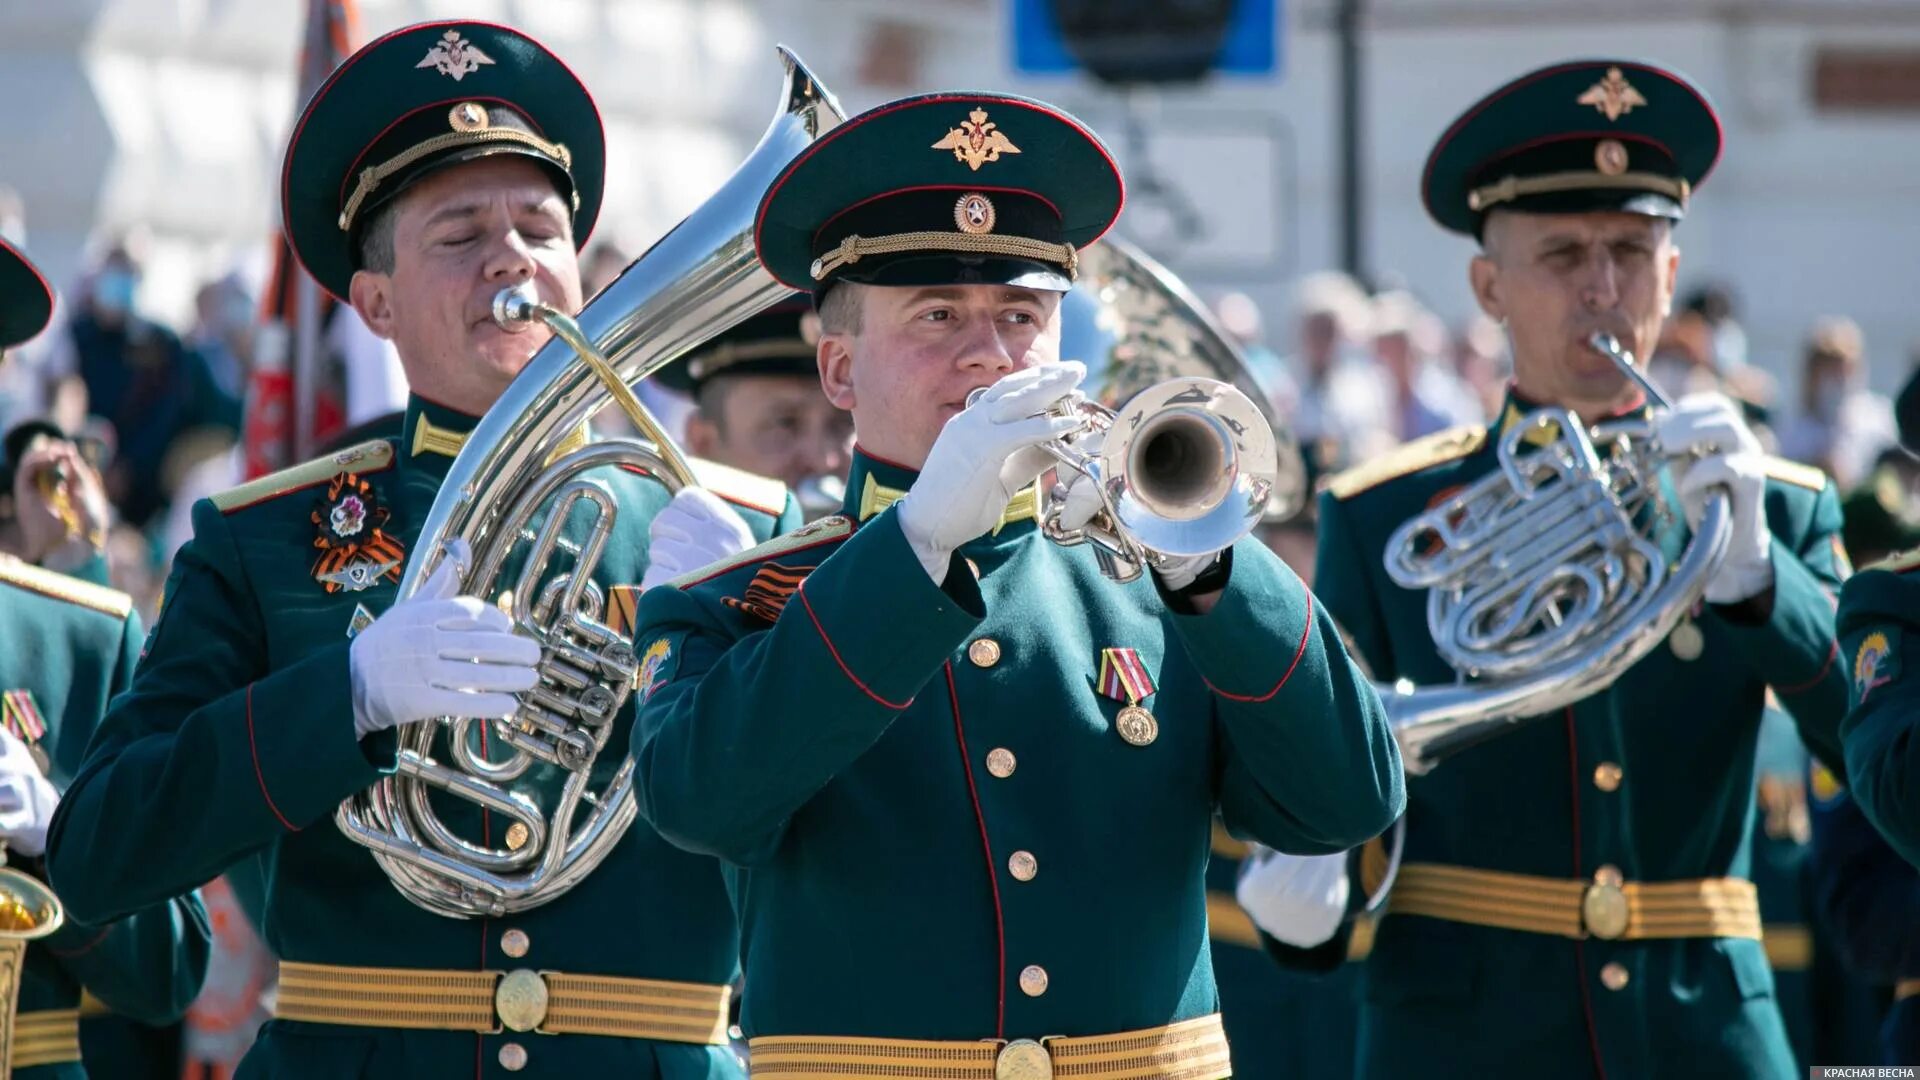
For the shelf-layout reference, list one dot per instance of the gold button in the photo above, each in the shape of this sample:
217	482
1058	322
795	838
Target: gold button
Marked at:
1608	874
515	943
513	1057
1023	1059
1606	776
516	836
1033	980
1614	976
1000	762
984	652
1023	866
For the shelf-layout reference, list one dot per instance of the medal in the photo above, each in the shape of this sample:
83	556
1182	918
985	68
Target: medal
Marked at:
1124	678
1136	725
355	552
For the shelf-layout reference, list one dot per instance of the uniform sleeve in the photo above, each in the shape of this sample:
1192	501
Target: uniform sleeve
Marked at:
1881	734
1794	646
1310	765
1341	582
1866	892
148	966
209	755
724	757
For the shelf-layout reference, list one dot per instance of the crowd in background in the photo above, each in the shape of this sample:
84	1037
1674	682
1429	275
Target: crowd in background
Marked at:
161	409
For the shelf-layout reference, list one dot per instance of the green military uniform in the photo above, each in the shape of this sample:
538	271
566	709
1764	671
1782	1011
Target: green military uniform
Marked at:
236	741
1572	896
69	646
962	818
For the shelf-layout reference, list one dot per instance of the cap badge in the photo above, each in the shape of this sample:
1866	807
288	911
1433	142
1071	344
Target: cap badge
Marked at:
976	141
974	213
469	116
454	56
1610	157
1614	96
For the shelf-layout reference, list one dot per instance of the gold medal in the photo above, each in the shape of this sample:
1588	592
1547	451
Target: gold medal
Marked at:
1686	641
1136	725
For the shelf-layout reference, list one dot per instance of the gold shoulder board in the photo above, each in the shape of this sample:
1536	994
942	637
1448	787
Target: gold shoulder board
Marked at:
1792	472
1422	453
61	587
817	532
1899	562
367	457
737	486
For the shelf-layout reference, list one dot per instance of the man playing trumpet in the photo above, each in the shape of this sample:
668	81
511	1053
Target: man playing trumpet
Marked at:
963	782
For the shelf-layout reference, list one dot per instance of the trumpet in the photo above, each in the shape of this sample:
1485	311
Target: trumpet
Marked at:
1183	468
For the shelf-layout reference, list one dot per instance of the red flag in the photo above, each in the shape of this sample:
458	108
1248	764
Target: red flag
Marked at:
288	413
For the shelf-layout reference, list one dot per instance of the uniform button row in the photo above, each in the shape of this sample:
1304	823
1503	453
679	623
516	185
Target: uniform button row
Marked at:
513	1057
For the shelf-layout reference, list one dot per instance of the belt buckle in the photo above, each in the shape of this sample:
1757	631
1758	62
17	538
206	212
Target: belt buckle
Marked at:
520	999
1604	910
1023	1059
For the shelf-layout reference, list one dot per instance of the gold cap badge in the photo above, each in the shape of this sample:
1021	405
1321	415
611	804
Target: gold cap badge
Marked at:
469	116
977	141
974	213
1614	96
1610	157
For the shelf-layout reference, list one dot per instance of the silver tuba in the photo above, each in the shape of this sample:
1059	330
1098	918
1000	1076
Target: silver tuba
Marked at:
1189	460
1543	582
517	481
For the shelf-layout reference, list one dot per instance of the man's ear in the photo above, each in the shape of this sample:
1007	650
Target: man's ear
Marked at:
371	294
1673	278
1484	275
834	354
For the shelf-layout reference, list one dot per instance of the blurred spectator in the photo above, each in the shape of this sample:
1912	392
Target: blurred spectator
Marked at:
369	367
1714	305
1426	396
1842	425
602	263
1240	318
135	375
1480	360
220	353
1339	401
1682	361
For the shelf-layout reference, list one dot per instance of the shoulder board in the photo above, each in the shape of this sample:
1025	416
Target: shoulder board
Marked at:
61	587
367	457
738	486
1422	453
1897	563
826	530
1792	472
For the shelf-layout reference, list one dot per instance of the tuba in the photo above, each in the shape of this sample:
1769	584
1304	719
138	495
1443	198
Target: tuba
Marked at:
1189	460
516	482
1544	583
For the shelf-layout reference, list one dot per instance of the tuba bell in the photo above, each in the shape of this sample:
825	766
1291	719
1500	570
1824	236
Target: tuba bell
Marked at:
1188	458
1544	583
516	482
28	911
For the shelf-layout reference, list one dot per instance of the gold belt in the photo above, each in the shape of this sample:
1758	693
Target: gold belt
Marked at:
1189	1050
547	1002
45	1037
1605	907
1905	989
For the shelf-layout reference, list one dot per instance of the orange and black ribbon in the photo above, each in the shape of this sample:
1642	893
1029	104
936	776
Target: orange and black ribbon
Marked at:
351	521
769	591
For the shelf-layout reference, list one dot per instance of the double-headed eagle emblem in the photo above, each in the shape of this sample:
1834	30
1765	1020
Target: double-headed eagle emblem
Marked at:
455	56
1614	96
977	141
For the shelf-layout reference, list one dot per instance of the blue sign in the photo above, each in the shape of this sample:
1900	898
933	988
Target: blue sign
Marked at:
1252	45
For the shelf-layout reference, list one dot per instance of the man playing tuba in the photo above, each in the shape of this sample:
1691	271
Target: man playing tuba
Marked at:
964	783
437	166
1574	893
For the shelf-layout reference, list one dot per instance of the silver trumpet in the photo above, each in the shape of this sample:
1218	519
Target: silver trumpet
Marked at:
517	486
1544	583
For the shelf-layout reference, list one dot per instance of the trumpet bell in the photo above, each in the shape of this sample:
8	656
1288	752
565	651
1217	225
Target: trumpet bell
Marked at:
1189	466
28	909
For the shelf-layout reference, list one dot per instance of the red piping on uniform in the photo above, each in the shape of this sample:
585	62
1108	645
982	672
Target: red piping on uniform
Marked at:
986	848
486	839
254	747
88	947
1833	651
938	187
835	653
1579	947
884	461
1305	633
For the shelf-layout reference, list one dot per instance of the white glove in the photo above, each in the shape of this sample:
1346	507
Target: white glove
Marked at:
27	797
436	654
696	529
984	455
1711	424
1298	899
